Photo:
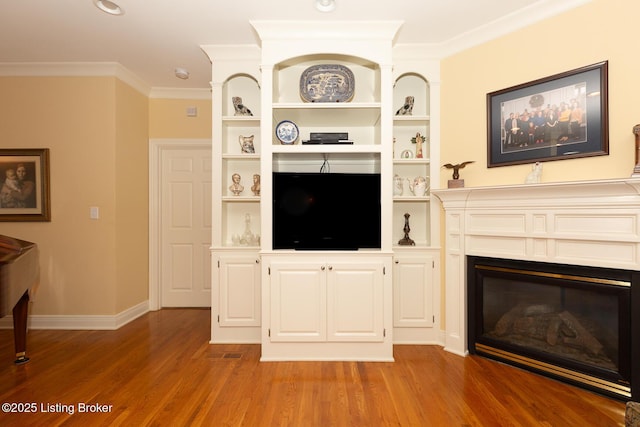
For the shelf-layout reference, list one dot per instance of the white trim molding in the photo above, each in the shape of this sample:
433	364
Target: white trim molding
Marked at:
81	322
589	223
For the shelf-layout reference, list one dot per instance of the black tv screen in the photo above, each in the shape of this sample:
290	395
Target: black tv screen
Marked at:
326	211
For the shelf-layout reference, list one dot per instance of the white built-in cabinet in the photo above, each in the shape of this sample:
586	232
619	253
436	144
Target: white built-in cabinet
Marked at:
313	301
236	273
324	305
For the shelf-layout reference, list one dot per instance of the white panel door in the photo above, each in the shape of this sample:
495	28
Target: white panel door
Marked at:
355	302
185	217
413	291
239	302
298	302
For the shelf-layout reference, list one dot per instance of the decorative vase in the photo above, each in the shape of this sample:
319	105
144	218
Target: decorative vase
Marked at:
419	186
398	186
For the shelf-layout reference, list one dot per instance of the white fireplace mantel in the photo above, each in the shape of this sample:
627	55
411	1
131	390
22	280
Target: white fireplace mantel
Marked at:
592	223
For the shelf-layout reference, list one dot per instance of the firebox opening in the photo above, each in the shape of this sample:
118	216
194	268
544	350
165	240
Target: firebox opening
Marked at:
571	323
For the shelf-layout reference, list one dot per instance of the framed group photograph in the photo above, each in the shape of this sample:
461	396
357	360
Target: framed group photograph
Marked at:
24	185
563	116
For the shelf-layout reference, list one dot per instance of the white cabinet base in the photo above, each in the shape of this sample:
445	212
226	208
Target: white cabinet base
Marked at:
327	306
235	301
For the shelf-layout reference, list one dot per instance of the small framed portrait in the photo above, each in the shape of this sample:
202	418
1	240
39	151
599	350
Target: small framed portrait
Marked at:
24	185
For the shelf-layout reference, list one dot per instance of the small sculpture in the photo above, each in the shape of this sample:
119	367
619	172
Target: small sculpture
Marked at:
407	108
246	144
236	188
406	240
455	182
456	168
256	184
398	186
241	110
419	186
418	140
534	176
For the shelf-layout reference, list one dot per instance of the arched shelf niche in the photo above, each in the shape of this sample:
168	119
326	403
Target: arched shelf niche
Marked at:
244	86
287	74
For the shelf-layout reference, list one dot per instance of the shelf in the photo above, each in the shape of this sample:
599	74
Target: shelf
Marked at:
243	199
411	198
411	161
241	120
409	120
241	156
327	148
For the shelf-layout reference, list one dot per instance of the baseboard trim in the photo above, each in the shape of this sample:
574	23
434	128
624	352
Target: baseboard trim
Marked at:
89	323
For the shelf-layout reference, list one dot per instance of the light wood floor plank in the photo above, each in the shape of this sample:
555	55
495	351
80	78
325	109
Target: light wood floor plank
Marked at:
160	370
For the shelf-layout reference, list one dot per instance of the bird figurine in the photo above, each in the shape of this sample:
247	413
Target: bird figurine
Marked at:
456	168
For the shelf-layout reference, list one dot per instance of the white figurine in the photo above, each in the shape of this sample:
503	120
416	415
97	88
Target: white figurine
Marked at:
398	186
536	173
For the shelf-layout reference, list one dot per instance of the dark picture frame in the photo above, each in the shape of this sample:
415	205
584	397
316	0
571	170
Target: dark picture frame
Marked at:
578	128
24	185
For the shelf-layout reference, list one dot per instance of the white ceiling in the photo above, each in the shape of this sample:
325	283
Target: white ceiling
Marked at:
154	37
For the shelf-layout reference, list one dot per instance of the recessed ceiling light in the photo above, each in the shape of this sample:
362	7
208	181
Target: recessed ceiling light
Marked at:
109	7
325	5
182	73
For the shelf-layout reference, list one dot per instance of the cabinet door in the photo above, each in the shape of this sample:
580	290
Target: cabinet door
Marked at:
239	290
412	291
355	302
298	302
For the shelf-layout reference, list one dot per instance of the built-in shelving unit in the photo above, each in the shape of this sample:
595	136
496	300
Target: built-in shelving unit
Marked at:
347	305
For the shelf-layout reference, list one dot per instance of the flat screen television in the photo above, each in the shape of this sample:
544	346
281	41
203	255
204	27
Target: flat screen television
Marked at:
326	211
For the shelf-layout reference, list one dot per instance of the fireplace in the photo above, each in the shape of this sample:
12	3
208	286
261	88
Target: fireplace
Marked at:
572	323
541	241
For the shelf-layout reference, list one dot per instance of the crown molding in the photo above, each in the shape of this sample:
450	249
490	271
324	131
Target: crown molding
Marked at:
74	69
507	24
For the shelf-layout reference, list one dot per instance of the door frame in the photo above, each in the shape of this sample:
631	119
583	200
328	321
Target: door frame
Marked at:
156	147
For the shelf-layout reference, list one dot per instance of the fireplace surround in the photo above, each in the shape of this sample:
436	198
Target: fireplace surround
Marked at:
568	225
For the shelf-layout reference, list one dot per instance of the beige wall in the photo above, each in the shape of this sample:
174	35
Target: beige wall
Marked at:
168	118
96	130
598	31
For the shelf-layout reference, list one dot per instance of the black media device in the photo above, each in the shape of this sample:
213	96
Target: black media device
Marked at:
326	211
328	138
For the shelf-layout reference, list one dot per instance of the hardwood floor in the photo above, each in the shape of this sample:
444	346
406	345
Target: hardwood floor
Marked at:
160	370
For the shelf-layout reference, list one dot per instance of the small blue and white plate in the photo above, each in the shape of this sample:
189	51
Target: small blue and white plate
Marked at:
287	132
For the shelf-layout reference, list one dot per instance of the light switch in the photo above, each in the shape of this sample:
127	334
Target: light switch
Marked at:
94	212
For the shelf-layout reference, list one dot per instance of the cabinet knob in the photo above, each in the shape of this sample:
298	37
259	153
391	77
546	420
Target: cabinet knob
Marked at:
397	262
322	268
330	267
257	261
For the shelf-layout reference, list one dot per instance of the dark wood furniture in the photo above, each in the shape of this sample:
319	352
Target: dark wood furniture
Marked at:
19	274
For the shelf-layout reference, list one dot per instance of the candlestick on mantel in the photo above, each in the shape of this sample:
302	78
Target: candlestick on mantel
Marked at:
636	169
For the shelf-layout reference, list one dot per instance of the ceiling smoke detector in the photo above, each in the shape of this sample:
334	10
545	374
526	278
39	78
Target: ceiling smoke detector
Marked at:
108	7
181	73
326	5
